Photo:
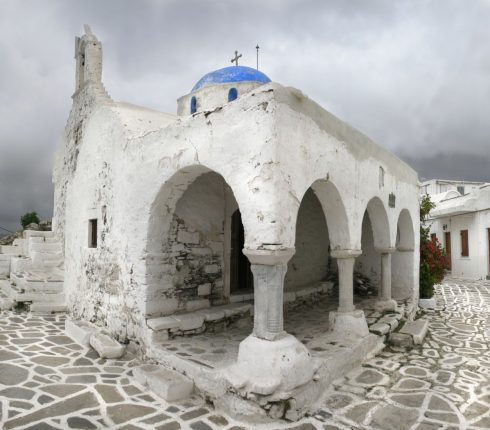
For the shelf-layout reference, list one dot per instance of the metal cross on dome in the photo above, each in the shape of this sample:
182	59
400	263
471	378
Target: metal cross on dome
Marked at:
235	60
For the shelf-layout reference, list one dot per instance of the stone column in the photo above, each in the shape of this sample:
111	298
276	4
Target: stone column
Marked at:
269	269
385	302
270	359
268	300
385	290
347	322
346	283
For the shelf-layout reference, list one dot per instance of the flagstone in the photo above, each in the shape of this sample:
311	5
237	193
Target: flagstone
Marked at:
127	411
11	374
82	401
62	390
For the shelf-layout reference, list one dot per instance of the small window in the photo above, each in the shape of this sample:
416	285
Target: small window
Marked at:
193	105
232	94
381	177
465	252
433	237
460	190
92	233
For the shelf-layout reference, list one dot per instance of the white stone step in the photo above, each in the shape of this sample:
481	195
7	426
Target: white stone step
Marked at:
80	330
8	289
46	287
417	329
45	247
5	264
167	384
40	298
10	250
46	260
47	307
6	295
106	346
20	264
34	233
6	304
38	286
195	320
21	243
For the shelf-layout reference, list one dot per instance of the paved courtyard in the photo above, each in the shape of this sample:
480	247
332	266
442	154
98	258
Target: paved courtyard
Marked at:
49	382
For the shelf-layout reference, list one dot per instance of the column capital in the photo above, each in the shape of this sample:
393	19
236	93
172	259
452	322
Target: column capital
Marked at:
388	250
345	253
405	249
269	257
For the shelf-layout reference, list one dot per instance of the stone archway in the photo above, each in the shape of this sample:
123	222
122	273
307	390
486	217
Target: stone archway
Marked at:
403	259
310	262
375	240
375	261
187	261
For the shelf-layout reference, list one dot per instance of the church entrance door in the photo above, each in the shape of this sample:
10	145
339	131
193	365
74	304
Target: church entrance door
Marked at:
241	277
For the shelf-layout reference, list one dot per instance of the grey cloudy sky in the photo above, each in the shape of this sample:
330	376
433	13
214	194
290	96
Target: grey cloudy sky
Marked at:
414	75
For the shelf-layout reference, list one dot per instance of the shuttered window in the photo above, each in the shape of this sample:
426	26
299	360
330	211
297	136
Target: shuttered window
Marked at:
464	244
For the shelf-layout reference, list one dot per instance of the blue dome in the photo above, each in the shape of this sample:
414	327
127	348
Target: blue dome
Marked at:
231	74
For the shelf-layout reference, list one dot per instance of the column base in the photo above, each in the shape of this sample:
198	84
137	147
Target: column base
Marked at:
385	305
265	367
348	325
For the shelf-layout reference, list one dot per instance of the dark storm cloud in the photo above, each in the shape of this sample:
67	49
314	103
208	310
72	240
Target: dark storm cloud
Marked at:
413	75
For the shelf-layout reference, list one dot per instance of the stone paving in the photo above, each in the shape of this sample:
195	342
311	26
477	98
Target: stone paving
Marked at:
307	321
49	382
443	384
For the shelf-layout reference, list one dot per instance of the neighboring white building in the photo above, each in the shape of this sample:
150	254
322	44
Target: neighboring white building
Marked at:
155	208
461	223
435	187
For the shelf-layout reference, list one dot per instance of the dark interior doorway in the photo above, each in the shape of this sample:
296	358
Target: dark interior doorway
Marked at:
241	277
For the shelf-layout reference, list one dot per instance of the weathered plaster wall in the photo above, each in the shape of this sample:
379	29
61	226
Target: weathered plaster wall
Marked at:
369	262
309	264
270	146
196	244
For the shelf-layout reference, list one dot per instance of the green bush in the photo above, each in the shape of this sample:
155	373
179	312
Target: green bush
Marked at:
29	218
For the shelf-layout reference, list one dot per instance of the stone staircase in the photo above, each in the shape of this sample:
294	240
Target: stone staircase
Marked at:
31	273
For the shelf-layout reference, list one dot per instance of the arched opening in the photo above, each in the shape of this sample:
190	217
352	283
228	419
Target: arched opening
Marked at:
232	94
368	264
193	105
403	259
309	285
375	236
310	263
188	243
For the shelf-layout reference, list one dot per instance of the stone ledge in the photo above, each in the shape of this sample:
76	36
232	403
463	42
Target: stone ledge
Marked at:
191	321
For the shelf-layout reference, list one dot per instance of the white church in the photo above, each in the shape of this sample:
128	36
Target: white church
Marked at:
212	222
